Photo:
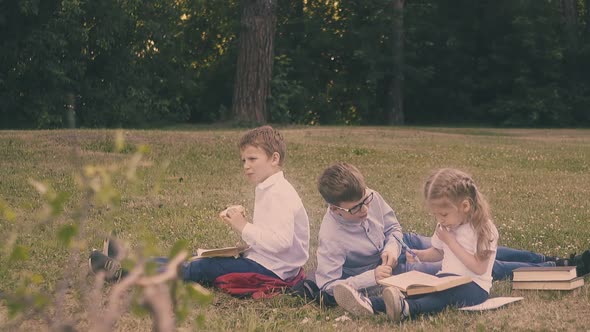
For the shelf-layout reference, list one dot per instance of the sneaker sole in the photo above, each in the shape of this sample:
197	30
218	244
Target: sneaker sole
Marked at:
349	302
90	262
391	296
90	266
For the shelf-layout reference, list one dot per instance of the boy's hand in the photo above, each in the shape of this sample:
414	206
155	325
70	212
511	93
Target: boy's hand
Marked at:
388	258
234	208
444	235
234	216
382	272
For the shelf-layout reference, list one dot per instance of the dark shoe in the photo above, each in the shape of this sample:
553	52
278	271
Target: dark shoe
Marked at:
306	289
558	261
101	262
111	247
582	263
573	260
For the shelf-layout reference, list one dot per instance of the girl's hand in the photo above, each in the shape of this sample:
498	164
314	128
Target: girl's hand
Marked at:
382	272
444	235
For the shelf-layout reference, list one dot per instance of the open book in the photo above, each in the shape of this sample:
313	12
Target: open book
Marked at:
220	252
414	282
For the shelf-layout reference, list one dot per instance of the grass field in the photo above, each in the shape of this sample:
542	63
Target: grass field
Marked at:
538	183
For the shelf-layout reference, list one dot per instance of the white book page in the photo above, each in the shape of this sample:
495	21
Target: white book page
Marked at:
492	303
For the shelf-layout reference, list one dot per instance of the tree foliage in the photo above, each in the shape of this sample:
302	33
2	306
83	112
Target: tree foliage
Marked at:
146	63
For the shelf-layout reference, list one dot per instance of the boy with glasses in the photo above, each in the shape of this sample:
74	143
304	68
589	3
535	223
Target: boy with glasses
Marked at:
357	239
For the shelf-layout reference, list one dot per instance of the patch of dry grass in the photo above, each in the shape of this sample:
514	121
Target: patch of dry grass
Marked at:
536	180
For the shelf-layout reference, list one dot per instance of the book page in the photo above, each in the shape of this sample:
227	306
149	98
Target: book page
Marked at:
404	280
220	252
492	303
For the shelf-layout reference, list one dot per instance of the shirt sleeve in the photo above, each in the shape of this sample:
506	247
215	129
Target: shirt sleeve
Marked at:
391	228
494	244
275	231
436	242
331	256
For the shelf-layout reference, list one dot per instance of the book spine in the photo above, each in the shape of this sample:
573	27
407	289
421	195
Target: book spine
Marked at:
546	285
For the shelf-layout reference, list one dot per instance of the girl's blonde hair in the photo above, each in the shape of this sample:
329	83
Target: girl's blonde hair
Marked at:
457	186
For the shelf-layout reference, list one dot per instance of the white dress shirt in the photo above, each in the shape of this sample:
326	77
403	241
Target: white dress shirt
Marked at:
279	233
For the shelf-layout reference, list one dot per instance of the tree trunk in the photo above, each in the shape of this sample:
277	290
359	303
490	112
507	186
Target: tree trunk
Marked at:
255	60
395	113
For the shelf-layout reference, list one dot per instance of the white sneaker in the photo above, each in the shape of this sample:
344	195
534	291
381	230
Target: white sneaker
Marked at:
352	301
393	299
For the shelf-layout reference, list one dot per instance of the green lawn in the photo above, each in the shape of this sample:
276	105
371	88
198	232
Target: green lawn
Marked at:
538	183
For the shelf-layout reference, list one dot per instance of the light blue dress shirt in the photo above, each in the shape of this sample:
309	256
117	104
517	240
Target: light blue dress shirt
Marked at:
350	251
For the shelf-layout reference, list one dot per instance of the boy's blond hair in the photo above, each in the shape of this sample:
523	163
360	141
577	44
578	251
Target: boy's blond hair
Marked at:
341	182
266	138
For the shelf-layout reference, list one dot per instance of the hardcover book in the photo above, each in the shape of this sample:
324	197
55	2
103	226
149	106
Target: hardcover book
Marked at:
415	282
549	273
549	285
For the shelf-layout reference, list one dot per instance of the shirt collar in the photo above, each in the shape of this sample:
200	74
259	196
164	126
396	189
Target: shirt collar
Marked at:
343	221
278	176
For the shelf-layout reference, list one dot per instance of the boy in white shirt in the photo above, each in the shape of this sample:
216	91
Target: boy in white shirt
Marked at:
278	235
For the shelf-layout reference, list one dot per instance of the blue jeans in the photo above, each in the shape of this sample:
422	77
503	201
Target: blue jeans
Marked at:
460	296
419	242
507	259
206	270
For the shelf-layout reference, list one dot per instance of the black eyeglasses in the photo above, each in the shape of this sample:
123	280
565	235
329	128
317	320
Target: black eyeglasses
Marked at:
355	209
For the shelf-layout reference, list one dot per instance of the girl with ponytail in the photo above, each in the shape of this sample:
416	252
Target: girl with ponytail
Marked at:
465	238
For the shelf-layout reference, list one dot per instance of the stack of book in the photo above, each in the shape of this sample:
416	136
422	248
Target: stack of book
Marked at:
546	278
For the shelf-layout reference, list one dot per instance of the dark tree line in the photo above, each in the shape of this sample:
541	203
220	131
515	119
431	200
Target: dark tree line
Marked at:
153	62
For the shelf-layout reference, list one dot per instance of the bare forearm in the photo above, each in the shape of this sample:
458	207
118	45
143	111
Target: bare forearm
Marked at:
238	225
429	255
